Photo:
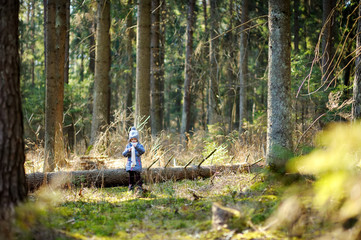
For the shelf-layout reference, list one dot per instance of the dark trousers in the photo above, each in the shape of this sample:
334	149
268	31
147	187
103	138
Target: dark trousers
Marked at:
135	179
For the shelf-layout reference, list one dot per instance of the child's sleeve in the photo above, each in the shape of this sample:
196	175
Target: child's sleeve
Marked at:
140	149
126	152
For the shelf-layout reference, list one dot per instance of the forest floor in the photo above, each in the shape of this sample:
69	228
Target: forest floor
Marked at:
169	210
318	198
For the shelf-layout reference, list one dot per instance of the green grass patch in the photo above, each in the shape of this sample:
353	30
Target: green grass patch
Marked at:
169	210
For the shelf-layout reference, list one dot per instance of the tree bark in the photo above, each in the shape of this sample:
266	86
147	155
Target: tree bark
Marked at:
92	29
205	57
356	103
243	65
66	66
12	174
142	108
101	94
279	126
119	177
130	63
155	79
213	94
33	43
188	78
163	17
231	73
55	62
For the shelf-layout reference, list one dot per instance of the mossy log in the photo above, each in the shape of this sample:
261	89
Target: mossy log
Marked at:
119	177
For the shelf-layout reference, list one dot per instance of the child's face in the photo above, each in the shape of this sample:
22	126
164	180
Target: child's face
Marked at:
133	140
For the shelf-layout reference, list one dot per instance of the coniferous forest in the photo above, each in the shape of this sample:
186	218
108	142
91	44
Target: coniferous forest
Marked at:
237	119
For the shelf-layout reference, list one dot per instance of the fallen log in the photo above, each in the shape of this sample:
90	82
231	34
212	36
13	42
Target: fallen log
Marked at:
119	177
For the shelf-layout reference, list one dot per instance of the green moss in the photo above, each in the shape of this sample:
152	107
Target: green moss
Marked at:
259	186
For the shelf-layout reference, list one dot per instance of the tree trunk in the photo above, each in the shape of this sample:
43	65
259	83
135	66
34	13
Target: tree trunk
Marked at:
119	177
243	65
12	174
213	94
66	67
33	43
231	74
93	29
306	13
142	108
205	57
155	80
279	126
101	94
356	103
188	79
163	17
296	25
55	62
129	74
328	21
81	67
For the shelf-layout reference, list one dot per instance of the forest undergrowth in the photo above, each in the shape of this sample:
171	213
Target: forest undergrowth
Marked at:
170	210
166	148
317	198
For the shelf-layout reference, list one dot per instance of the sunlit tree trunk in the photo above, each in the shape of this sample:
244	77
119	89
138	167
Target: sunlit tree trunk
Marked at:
155	79
243	65
130	68
142	108
356	104
55	62
186	110
101	93
279	126
213	94
12	174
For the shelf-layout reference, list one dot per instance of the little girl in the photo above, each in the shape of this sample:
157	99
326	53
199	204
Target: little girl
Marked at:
133	150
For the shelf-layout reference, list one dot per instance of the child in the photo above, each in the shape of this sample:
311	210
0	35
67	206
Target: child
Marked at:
133	150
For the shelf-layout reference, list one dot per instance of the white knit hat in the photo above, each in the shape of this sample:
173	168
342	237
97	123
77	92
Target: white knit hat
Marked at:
133	134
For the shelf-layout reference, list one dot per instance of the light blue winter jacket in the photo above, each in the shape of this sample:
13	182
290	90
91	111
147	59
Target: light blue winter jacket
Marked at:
139	150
